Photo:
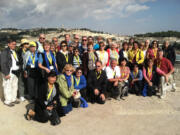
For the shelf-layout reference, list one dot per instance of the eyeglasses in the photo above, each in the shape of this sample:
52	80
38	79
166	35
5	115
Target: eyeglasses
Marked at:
98	66
68	70
70	46
102	46
42	38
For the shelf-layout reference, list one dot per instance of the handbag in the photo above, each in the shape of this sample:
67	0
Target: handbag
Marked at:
76	100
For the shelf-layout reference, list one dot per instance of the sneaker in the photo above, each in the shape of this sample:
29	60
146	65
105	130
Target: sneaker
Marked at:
118	98
22	99
16	102
10	104
173	87
162	96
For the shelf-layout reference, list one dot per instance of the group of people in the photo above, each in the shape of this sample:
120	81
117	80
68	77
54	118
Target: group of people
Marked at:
56	77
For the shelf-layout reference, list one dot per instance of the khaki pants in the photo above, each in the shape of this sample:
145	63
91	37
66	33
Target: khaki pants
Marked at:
10	89
164	87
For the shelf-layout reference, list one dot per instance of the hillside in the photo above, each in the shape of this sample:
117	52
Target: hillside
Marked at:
32	35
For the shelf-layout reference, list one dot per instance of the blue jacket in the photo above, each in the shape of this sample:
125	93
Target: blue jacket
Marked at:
82	83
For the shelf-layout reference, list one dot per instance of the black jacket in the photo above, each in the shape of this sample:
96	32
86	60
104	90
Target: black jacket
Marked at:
6	61
20	58
61	60
40	105
85	59
94	83
170	54
42	95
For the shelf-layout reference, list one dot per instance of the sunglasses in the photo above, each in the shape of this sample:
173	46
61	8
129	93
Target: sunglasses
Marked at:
79	72
42	38
64	45
84	40
98	66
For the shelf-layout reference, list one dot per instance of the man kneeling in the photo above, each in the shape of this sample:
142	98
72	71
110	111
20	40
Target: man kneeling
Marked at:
166	79
97	82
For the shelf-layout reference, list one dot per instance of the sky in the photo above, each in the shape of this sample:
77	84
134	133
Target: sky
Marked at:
125	17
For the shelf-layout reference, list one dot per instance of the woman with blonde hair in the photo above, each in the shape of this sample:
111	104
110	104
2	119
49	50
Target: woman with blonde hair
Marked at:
66	88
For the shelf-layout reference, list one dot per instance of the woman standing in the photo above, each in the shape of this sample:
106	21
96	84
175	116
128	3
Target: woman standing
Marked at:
112	53
47	61
89	59
76	59
124	51
136	56
63	57
152	51
31	71
102	55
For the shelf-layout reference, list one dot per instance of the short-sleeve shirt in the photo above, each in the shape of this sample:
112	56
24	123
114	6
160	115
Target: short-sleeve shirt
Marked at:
165	65
40	60
125	72
113	73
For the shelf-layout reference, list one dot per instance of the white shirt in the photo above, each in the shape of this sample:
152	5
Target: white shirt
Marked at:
111	73
103	57
125	53
14	65
40	47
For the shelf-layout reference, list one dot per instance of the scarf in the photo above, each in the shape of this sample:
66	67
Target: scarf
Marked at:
68	79
53	61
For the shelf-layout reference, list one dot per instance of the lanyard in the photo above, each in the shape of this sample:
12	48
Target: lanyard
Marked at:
154	52
149	72
14	55
77	81
159	64
135	74
114	74
66	56
33	59
92	56
101	55
115	54
50	59
24	51
54	53
122	72
77	59
51	90
98	75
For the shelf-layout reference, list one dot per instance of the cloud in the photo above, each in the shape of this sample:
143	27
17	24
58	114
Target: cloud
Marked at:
35	13
135	8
